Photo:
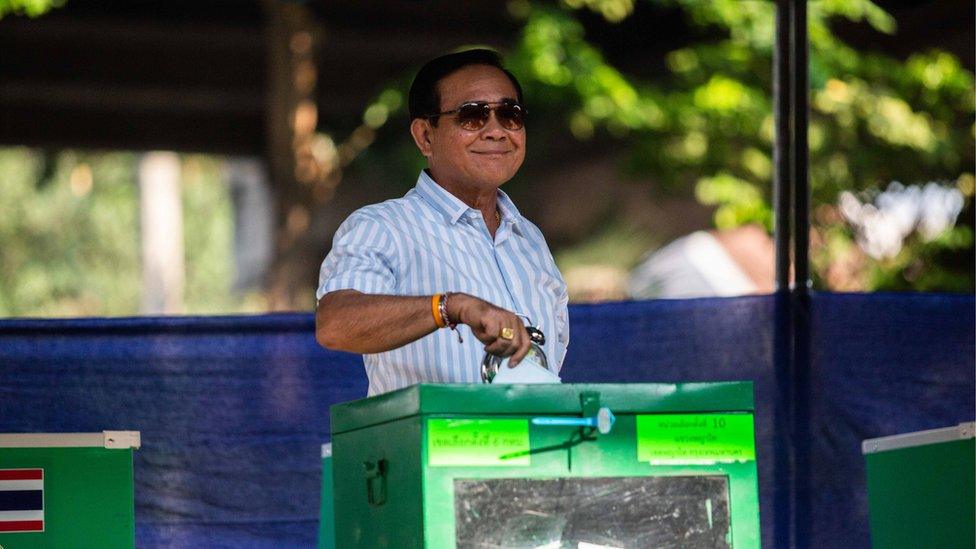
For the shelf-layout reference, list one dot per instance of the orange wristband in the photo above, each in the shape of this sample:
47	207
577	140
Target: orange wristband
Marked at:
435	302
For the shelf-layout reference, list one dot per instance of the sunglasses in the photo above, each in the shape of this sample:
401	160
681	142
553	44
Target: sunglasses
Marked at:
474	115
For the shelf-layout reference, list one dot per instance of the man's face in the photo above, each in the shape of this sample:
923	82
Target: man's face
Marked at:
480	160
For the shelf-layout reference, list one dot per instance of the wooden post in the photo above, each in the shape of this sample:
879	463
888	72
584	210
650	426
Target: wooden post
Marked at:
292	120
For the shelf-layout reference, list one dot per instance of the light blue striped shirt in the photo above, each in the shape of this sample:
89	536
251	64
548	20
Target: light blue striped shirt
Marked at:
430	242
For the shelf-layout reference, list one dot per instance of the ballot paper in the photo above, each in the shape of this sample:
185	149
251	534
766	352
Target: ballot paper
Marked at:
527	371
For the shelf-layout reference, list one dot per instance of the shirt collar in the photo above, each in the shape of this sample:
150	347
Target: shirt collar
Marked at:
510	214
453	208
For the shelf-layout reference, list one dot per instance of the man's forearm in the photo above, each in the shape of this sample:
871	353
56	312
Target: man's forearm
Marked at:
348	320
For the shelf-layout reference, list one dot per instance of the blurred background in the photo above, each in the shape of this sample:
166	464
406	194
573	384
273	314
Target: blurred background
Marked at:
196	157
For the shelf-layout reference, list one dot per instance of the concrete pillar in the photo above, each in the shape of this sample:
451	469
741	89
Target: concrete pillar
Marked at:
161	213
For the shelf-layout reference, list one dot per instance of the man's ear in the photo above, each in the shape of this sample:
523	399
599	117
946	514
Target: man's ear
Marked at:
421	131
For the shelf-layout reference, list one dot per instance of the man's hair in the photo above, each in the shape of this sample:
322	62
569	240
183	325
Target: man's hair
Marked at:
425	98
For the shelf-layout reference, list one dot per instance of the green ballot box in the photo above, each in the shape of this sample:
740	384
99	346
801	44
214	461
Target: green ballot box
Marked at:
922	488
610	465
327	509
67	490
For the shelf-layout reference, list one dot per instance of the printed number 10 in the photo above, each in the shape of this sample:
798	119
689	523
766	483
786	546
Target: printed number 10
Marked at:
718	422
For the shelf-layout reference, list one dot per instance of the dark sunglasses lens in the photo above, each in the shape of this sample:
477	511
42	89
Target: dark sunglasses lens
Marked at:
510	116
472	116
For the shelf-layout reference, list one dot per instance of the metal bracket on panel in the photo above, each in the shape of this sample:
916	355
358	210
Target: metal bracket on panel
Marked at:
121	440
376	481
962	431
590	403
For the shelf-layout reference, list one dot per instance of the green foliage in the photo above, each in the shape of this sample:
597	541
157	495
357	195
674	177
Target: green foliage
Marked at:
706	128
69	224
70	243
738	201
708	125
30	8
913	268
208	237
614	246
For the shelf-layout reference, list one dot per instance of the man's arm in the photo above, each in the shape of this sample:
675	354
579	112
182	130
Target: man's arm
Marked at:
347	320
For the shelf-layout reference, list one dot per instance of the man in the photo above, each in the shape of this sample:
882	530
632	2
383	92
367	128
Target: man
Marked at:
454	251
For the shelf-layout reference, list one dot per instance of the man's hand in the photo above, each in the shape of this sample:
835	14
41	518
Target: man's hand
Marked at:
492	326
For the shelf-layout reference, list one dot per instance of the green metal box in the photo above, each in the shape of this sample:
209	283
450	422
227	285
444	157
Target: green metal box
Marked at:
67	490
326	535
922	488
466	466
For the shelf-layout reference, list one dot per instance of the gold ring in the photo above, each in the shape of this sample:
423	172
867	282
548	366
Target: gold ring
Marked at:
507	334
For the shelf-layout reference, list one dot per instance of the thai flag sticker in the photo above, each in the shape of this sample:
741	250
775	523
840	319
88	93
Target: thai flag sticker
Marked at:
21	500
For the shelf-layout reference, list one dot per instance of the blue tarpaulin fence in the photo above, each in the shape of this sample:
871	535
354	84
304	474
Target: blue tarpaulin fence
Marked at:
233	410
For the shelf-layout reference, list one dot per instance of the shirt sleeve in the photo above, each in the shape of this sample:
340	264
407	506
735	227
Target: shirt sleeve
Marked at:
562	325
363	258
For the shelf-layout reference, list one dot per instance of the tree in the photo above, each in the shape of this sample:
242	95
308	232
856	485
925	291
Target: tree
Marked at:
30	8
707	124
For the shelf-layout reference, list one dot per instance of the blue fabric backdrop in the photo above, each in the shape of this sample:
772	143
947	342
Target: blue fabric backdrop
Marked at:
233	410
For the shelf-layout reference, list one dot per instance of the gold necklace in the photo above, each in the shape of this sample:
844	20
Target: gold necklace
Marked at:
498	216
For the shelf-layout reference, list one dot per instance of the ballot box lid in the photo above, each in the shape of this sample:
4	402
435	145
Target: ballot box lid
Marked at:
110	440
962	431
501	400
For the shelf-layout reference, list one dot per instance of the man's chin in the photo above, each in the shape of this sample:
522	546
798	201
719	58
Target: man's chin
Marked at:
496	180
498	175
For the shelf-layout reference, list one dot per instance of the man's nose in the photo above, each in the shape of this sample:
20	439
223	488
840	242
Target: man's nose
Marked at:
493	127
